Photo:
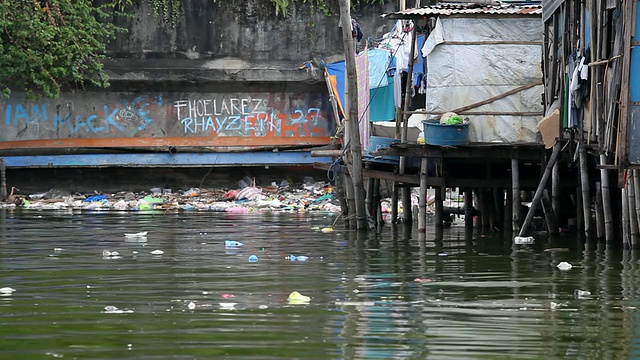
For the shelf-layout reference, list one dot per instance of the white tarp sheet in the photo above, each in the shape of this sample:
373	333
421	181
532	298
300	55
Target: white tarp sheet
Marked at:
463	74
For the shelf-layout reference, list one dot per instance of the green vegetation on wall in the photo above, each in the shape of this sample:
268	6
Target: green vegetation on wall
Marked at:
46	45
170	10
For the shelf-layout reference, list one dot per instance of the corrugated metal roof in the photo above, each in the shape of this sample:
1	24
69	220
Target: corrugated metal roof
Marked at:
446	9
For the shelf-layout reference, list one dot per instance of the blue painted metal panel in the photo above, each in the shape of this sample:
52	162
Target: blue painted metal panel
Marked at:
636	33
634	75
166	159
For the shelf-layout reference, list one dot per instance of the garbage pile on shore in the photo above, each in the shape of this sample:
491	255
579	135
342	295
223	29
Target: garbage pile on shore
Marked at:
309	197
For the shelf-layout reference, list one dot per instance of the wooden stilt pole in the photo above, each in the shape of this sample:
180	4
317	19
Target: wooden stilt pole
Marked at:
625	219
609	229
633	216
584	186
468	209
498	201
351	202
508	209
549	215
355	145
342	196
636	192
555	185
485	216
377	203
406	191
422	200
394	204
3	180
539	190
369	198
476	196
579	212
599	214
515	195
439	206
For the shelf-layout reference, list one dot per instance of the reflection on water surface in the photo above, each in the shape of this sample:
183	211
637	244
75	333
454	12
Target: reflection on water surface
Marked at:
392	295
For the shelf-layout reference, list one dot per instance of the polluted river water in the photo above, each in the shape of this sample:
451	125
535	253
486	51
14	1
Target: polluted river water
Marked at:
75	287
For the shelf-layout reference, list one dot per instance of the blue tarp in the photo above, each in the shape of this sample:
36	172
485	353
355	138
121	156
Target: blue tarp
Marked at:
337	69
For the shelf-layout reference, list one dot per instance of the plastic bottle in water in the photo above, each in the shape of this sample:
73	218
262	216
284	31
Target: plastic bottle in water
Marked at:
232	243
298	258
253	258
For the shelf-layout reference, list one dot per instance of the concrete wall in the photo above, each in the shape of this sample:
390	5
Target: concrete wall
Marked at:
247	30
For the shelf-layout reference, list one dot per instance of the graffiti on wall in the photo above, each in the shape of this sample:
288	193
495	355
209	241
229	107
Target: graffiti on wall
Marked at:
125	119
267	115
247	116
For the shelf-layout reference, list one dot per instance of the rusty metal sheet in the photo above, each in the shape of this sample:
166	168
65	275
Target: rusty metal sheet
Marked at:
107	119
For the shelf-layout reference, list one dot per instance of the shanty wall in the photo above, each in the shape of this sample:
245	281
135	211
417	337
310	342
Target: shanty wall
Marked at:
482	58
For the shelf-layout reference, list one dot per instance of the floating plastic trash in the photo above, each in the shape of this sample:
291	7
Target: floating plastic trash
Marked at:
232	243
58	249
191	305
107	253
297	298
253	258
227	296
138	234
157	252
581	294
7	290
298	258
110	309
422	280
327	230
228	306
523	240
564	266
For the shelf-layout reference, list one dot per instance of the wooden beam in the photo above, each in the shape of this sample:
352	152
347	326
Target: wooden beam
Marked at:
497	97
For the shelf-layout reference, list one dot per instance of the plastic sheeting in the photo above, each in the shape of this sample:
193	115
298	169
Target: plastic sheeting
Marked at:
463	74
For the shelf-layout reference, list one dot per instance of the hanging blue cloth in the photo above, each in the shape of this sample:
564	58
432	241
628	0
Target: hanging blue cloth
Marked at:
418	68
381	106
378	63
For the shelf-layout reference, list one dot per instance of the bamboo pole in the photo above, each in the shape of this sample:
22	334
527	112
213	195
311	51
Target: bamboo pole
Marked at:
584	187
539	190
633	215
355	143
599	215
422	200
515	194
606	200
406	191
